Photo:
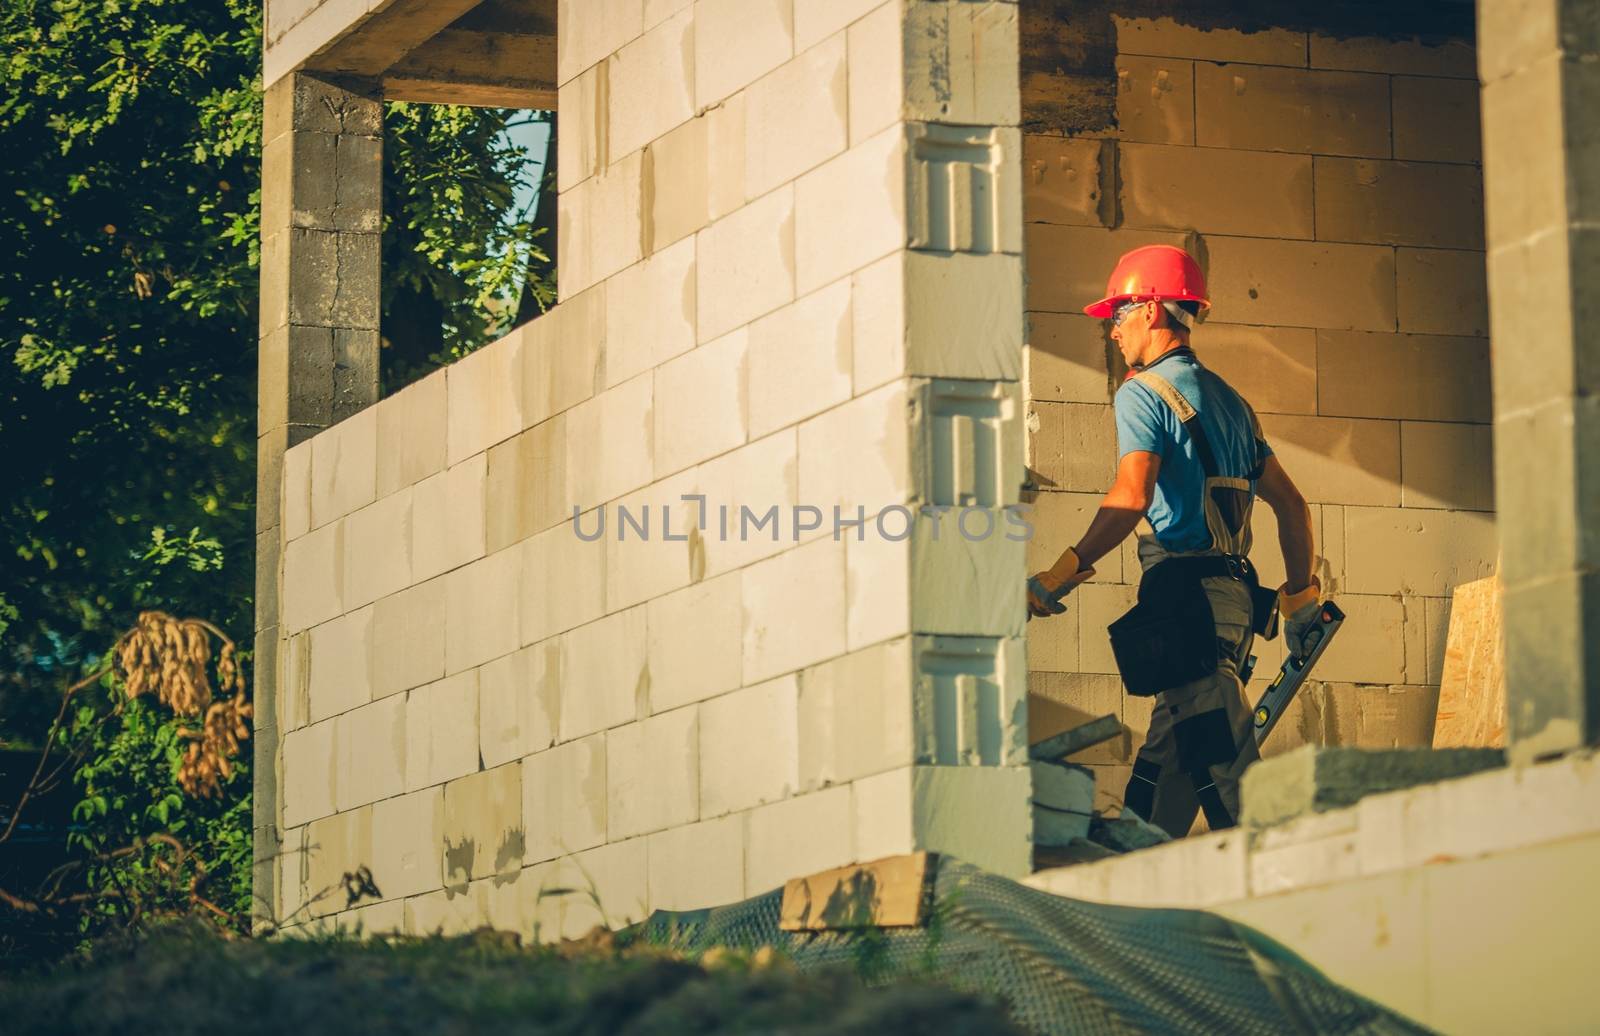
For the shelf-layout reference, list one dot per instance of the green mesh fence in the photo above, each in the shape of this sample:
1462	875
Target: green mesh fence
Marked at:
1062	965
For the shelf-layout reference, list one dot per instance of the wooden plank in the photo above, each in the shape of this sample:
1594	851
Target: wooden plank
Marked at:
1068	742
888	893
1472	687
473	95
387	35
518	17
464	66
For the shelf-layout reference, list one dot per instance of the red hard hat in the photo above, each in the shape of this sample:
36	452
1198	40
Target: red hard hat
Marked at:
1160	272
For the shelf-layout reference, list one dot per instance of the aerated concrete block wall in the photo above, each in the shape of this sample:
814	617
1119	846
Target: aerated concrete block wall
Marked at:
790	276
1330	184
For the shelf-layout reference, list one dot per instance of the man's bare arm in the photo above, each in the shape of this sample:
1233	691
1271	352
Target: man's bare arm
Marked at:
1294	524
1120	512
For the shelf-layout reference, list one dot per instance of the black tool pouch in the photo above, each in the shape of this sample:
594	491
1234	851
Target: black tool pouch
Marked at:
1170	637
1264	611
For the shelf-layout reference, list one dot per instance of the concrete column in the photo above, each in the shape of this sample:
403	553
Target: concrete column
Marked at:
1539	61
321	221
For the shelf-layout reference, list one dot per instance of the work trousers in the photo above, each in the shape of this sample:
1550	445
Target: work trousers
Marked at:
1200	738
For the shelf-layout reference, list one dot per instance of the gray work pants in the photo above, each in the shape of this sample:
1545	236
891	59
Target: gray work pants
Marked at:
1200	740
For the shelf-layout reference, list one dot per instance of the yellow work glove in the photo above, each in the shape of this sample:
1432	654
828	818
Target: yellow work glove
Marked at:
1048	589
1299	611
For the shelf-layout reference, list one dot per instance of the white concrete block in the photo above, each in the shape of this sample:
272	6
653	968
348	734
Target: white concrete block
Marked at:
485	398
447	912
591	29
294	682
377	553
878	322
794	609
967	580
525	489
652	84
979	814
800	359
963	315
961	63
606	886
481	602
698	865
599	232
695	642
563	354
519	703
1063	801
297	491
650	313
701	403
881	815
878	583
745	264
604	674
970	701
795	117
580	150
309	773
612	436
313	578
651	541
652	770
412	433
344	467
408	638
447	518
855	715
564	799
408	843
750	498
816	20
736	42
483	824
442	731
749	747
877	70
563	581
341	659
858	455
796	837
850	211
371	742
658	11
335	846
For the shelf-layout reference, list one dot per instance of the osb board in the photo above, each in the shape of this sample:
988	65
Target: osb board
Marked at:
887	893
1472	688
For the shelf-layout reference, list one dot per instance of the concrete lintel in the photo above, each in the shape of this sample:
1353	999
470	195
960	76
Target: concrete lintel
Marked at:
1316	778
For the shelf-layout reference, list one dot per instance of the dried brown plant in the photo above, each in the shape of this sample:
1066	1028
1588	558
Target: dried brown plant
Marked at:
171	658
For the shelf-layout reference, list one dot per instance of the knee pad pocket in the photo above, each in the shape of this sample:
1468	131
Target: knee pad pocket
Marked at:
1204	740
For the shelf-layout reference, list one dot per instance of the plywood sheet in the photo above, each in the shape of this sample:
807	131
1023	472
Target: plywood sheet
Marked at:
887	893
1472	688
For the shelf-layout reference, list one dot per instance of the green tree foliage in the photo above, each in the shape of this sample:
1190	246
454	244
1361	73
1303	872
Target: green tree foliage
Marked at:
131	805
129	210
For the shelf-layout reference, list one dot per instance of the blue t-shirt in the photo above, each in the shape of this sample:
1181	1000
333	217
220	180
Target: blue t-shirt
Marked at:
1145	422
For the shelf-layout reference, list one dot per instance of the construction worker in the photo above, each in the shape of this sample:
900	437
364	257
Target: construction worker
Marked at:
1192	460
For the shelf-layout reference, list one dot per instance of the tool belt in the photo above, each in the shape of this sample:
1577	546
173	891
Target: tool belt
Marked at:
1169	638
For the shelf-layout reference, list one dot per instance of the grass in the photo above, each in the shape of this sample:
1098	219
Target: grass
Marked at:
186	980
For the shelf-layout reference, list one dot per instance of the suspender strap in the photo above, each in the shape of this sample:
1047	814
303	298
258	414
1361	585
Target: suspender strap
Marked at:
1187	415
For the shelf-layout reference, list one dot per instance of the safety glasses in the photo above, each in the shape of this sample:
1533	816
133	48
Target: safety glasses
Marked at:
1121	312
